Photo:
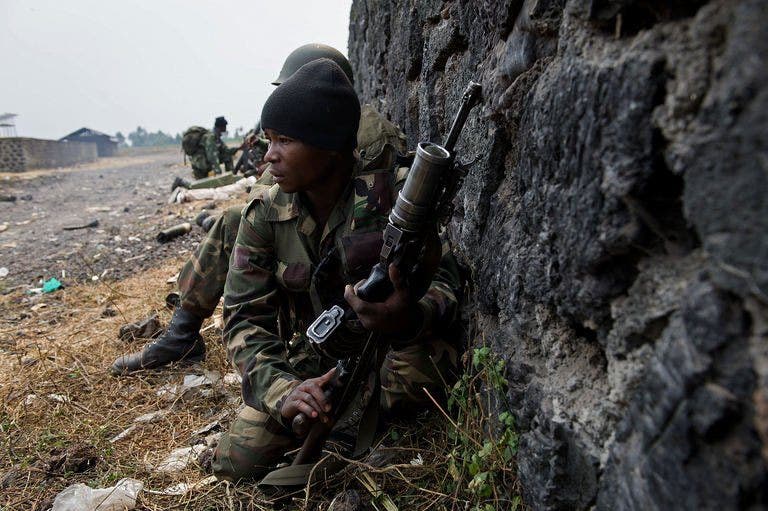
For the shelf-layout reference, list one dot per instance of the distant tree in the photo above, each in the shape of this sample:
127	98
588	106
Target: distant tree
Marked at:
144	138
120	139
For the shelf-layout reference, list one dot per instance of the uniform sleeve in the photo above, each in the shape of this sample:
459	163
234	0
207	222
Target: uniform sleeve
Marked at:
251	305
211	150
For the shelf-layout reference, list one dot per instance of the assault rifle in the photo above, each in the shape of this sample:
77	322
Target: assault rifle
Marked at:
425	200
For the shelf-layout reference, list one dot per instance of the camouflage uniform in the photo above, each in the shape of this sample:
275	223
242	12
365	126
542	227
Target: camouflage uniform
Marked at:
212	152
284	270
201	281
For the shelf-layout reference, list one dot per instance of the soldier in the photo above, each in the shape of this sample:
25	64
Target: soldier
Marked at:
251	162
213	151
326	211
201	280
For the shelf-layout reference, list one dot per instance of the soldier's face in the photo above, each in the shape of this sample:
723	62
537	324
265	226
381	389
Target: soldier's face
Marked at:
296	166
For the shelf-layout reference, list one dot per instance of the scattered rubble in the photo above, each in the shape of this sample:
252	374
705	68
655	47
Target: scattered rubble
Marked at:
148	328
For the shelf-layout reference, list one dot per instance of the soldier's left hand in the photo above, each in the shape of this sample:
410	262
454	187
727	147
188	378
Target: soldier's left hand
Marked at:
398	314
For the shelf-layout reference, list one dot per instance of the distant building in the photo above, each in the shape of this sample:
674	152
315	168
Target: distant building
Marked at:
7	126
105	144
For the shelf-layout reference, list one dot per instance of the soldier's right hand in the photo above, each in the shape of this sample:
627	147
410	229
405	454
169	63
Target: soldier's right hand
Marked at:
309	398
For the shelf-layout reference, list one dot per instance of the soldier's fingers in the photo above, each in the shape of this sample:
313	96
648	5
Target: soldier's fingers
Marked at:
304	408
318	398
311	400
327	376
357	304
396	277
359	283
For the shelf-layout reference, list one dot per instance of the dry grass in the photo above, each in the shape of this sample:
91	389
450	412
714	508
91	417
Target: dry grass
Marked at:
60	408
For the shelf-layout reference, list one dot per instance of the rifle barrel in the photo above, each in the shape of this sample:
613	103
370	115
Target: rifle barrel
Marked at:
471	94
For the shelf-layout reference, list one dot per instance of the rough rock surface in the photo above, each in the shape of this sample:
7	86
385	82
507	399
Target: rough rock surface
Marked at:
616	225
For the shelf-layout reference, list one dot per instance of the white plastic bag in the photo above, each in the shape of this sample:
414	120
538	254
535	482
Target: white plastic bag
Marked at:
80	497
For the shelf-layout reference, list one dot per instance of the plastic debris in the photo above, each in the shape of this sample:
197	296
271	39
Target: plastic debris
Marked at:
417	461
151	416
123	434
215	425
141	419
3	272
51	285
179	459
196	380
183	488
80	497
233	379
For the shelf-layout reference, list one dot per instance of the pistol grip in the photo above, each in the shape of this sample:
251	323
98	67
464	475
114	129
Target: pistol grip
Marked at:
377	287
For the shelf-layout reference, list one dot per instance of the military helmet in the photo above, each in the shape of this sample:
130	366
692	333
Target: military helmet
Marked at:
309	52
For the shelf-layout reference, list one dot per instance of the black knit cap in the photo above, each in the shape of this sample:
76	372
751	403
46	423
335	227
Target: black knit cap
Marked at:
316	105
220	122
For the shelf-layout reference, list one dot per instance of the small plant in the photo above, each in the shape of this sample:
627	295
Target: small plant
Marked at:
481	461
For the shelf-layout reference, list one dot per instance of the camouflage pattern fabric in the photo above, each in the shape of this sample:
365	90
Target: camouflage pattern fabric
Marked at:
201	281
255	442
284	270
213	151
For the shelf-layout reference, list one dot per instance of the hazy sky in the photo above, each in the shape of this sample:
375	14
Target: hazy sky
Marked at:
161	64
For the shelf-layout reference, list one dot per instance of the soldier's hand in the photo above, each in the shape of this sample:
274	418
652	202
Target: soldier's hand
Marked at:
309	398
398	314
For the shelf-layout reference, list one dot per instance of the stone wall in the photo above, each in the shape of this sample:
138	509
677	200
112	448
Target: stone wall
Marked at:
20	154
616	227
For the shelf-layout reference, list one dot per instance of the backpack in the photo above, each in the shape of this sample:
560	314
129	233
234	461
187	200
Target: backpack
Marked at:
191	139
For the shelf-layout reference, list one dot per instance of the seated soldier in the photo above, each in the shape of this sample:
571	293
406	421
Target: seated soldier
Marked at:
325	211
201	280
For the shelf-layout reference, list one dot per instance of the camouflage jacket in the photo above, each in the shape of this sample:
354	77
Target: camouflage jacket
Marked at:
211	153
285	270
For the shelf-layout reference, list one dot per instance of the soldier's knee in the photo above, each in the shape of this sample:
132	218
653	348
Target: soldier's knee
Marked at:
233	462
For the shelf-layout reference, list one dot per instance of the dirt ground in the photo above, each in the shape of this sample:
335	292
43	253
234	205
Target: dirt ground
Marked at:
65	420
127	195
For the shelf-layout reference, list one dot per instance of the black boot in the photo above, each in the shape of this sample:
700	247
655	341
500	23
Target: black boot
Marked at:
180	182
181	341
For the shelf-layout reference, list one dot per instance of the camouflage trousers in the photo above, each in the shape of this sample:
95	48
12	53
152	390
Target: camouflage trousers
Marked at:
202	279
256	442
200	172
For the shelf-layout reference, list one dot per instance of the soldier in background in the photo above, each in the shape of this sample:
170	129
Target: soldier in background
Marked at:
201	280
216	150
251	161
212	152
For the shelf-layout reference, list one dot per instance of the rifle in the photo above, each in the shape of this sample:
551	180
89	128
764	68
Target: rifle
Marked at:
425	200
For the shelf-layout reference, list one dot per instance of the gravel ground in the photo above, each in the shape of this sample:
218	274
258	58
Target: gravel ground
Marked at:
127	195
